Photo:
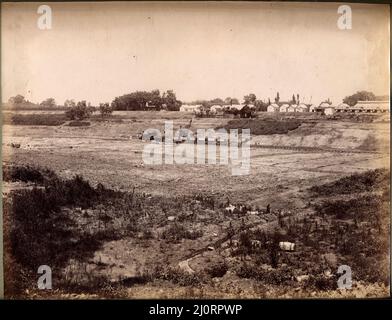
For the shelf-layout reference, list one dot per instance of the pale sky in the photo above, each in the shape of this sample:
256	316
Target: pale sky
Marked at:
97	51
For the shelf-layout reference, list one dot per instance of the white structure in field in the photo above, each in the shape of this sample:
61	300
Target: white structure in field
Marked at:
302	108
236	106
216	108
343	107
324	105
190	108
273	108
371	107
292	108
283	107
329	110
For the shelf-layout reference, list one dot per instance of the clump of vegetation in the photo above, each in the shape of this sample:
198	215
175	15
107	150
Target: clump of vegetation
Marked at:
320	282
177	276
34	119
358	208
177	232
78	123
371	180
263	127
217	270
26	174
280	276
79	112
105	109
38	230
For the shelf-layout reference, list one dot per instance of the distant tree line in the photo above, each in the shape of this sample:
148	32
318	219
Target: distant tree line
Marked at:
145	100
154	100
359	96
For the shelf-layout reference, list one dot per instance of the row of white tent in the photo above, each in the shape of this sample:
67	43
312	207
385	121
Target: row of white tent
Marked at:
324	107
214	108
328	109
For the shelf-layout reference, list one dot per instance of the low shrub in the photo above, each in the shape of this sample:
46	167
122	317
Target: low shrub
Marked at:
26	174
371	180
263	126
177	232
79	123
34	119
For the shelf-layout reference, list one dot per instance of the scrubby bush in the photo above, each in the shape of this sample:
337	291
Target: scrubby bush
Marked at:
34	119
79	123
359	207
218	269
177	232
25	174
371	180
282	276
105	109
262	126
80	111
178	276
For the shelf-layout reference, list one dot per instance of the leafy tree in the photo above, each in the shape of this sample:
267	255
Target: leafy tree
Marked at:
217	101
359	96
18	99
231	101
140	99
105	109
155	99
250	98
261	105
79	112
49	103
69	103
170	100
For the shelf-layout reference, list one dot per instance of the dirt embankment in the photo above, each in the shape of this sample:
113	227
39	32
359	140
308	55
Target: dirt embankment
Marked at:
331	135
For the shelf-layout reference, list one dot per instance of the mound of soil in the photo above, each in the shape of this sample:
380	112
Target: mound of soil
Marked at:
263	127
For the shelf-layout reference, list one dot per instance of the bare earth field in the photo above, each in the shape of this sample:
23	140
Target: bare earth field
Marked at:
283	168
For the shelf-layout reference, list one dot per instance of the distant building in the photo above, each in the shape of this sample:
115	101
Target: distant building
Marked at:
151	106
302	108
292	108
236	106
343	107
371	107
325	108
329	110
216	108
324	105
283	107
364	106
312	108
273	108
190	108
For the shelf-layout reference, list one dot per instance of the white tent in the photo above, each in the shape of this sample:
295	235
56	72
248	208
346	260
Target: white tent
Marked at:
273	108
283	107
292	108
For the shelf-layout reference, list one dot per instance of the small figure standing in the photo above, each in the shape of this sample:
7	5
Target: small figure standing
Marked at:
268	208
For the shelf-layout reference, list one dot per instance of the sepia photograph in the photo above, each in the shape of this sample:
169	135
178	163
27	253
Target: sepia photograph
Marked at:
195	150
